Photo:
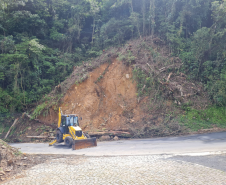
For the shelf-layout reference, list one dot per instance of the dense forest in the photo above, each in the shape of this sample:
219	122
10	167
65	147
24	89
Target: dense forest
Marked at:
42	40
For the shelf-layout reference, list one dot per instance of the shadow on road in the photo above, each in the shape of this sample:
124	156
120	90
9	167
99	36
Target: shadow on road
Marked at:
61	146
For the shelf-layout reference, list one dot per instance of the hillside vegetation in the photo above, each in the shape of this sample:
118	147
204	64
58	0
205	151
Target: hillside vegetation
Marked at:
173	41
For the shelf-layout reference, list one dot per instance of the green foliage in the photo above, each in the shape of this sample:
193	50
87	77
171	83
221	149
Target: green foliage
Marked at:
114	32
204	119
18	153
128	57
41	41
29	72
38	110
204	59
102	75
154	54
144	82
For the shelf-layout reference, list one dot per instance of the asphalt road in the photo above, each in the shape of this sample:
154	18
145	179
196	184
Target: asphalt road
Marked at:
212	161
203	144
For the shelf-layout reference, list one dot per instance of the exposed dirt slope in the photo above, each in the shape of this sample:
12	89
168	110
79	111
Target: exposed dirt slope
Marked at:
109	93
107	99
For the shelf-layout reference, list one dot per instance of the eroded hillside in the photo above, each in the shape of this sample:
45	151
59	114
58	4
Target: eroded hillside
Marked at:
137	88
107	99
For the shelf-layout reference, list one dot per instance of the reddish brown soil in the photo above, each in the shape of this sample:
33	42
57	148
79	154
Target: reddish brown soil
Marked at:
104	102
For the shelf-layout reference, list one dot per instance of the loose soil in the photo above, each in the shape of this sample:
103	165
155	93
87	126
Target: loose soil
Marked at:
107	100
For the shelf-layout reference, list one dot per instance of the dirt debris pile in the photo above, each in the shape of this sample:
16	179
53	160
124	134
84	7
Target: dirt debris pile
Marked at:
13	163
152	56
11	160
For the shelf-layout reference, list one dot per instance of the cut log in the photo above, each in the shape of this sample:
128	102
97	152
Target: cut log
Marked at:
169	77
155	72
180	88
14	123
119	132
123	129
38	137
170	66
143	88
114	133
28	115
98	133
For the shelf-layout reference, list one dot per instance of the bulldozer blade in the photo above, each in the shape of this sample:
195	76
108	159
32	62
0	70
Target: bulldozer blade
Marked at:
84	143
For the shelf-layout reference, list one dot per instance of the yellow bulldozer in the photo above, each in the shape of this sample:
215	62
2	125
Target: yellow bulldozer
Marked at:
69	131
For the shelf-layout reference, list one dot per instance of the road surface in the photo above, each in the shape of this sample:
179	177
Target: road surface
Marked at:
212	143
196	160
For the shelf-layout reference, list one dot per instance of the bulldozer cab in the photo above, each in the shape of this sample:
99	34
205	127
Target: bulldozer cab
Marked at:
68	120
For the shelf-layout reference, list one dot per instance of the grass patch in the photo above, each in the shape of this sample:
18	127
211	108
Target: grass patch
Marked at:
128	57
144	83
38	110
1	129
12	131
204	119
6	129
18	153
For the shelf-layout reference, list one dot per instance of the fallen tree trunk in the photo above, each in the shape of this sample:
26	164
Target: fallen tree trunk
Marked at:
170	66
114	133
38	137
123	129
169	77
153	70
38	120
14	123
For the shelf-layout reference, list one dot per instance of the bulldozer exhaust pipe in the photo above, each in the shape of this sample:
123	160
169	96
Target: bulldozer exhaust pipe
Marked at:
84	143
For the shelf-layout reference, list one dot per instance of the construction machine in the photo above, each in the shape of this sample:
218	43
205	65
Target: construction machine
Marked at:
69	131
